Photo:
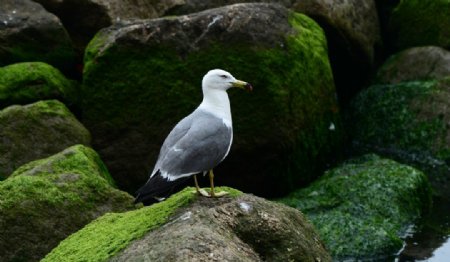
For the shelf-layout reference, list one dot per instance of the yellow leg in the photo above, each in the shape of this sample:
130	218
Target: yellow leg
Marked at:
211	182
198	189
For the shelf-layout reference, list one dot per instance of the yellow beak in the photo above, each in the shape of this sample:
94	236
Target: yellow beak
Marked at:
242	85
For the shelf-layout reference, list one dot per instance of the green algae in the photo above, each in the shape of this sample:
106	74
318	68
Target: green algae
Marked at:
363	208
406	117
44	201
292	118
28	82
420	23
111	233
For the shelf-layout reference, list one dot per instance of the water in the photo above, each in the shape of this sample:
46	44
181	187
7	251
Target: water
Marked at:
431	240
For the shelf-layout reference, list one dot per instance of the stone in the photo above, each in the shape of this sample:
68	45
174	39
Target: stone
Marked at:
354	39
408	121
29	82
351	27
187	227
147	74
29	33
420	23
417	63
363	208
84	18
46	200
36	131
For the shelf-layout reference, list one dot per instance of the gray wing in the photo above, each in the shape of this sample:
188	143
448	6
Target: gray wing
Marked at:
197	143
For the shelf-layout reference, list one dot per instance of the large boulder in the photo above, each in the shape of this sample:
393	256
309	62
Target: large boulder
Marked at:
420	23
189	228
141	78
36	131
29	82
351	27
363	208
83	18
29	33
45	201
192	6
417	63
408	121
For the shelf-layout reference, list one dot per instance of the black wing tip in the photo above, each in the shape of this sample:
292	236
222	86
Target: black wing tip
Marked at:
146	200
157	189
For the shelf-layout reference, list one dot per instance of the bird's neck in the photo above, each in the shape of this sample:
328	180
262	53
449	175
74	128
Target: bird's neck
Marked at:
217	103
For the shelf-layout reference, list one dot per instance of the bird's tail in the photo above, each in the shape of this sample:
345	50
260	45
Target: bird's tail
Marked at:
158	188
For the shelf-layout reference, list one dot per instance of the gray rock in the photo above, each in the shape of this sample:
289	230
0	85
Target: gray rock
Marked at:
244	229
83	18
351	27
36	131
417	63
186	227
29	33
192	6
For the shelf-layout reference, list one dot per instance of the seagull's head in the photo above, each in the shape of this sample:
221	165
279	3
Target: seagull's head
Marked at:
222	80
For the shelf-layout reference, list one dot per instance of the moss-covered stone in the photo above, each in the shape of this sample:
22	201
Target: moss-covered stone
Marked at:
419	23
363	208
111	233
415	64
408	121
46	200
148	76
30	33
36	131
185	227
25	83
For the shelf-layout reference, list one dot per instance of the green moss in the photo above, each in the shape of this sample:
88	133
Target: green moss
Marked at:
363	207
43	47
291	108
78	159
112	232
64	192
53	128
29	82
384	116
404	117
420	23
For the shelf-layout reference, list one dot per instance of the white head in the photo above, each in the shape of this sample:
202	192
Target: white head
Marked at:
222	80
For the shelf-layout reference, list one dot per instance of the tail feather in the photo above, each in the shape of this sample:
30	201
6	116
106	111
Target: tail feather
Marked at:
157	189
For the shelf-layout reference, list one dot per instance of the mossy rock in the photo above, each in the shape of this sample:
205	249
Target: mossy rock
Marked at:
29	82
187	227
414	64
141	78
420	23
408	121
36	131
46	200
363	208
29	33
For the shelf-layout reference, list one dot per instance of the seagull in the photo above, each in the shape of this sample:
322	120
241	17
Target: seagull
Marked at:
198	143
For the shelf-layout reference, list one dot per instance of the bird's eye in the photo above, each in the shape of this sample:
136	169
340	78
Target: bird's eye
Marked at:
224	76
